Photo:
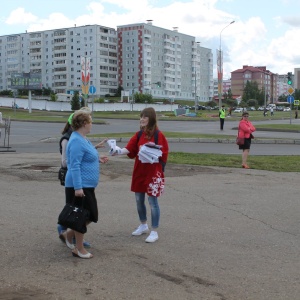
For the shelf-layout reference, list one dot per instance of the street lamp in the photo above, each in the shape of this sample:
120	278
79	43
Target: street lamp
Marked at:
220	69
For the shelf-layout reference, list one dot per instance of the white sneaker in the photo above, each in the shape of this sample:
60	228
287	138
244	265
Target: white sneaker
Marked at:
143	228
153	236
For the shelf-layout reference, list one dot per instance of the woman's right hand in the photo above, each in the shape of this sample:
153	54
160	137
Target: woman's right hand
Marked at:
79	193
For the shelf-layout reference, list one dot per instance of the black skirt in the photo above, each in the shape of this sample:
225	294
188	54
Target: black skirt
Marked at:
89	201
246	145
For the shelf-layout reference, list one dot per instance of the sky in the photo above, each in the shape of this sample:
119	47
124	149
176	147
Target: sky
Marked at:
264	32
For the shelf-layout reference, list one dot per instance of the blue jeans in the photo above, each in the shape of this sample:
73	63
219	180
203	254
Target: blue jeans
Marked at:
142	211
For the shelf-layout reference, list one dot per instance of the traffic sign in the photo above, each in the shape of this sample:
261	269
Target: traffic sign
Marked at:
92	89
296	102
290	99
291	90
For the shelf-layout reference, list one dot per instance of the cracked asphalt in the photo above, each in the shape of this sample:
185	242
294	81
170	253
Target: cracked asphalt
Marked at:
224	234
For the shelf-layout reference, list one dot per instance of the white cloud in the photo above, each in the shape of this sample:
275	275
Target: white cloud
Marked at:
270	42
19	16
55	20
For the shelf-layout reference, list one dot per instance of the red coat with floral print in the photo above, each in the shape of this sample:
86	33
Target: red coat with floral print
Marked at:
146	177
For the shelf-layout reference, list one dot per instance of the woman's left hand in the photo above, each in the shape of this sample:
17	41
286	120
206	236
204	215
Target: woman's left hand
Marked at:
101	144
103	159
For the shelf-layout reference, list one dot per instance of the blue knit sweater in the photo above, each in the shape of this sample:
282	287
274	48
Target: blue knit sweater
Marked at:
83	163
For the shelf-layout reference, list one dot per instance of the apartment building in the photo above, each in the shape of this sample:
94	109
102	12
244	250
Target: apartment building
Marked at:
56	56
148	54
296	78
133	56
265	79
226	87
282	85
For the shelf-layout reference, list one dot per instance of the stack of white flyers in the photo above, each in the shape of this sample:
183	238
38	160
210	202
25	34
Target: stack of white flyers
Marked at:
150	153
112	145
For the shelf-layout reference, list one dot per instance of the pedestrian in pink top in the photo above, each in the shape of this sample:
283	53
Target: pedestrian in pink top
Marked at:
245	131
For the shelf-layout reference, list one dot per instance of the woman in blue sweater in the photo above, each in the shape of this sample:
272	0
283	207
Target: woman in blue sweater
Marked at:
82	177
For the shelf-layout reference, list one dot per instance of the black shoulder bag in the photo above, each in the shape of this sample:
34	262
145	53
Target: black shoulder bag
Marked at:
62	175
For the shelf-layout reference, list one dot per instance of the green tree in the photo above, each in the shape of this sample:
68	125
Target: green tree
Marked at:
142	98
225	97
53	97
75	104
211	103
119	90
297	94
231	102
6	93
251	91
229	93
261	97
282	98
252	102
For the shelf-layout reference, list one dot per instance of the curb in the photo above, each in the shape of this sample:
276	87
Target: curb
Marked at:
199	140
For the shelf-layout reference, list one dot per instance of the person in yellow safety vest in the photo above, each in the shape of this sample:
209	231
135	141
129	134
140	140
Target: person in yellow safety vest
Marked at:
222	117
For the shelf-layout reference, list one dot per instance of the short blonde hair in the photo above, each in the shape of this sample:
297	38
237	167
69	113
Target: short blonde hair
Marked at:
81	118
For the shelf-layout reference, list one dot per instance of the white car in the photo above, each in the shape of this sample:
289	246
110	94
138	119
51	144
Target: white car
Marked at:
238	110
287	109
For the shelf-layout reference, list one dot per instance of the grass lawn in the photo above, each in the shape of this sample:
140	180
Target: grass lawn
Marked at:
276	163
270	163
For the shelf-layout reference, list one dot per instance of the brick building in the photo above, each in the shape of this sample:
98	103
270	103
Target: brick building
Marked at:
265	79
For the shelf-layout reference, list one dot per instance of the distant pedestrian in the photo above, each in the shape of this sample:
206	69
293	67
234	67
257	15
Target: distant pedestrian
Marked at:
265	112
245	131
229	111
296	113
222	117
272	111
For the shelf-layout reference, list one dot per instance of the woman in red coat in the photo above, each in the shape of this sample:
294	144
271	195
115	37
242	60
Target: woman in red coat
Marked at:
245	131
147	178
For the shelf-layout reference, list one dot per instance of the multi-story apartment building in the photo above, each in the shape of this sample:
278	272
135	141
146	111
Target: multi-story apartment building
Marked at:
282	85
296	78
226	87
148	54
56	56
134	57
265	79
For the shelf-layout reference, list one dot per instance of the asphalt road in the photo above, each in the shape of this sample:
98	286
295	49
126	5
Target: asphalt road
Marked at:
27	137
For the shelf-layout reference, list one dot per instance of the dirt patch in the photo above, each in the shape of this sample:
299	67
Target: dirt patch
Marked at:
23	294
113	169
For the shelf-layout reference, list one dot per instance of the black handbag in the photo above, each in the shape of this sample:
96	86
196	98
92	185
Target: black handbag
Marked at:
74	216
62	175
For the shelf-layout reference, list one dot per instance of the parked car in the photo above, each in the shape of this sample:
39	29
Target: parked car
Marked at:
252	108
201	107
261	108
287	109
279	108
238	110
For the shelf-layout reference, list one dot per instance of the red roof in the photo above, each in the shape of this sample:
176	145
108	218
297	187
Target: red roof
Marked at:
252	69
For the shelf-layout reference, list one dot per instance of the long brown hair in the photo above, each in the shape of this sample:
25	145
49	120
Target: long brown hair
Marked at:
66	128
152	124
